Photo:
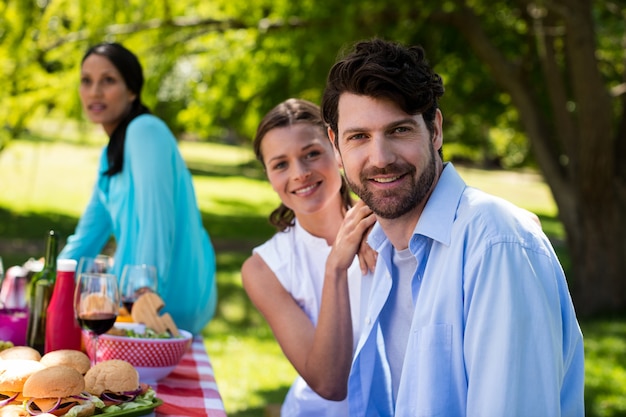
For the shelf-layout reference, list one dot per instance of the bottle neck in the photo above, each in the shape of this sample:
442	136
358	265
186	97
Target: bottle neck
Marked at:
51	250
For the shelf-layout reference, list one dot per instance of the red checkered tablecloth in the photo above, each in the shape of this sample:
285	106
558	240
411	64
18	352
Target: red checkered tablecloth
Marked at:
190	390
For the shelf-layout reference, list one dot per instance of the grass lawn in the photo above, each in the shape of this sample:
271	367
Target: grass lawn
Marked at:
45	182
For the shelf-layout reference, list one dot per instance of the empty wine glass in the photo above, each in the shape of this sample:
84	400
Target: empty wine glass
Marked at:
136	280
99	264
96	304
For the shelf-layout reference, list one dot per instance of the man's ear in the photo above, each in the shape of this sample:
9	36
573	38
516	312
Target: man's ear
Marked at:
331	137
330	133
438	130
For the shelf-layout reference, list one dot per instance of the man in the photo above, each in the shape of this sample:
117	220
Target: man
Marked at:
469	312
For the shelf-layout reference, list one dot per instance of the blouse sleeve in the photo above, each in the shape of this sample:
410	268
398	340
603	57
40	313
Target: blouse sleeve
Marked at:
150	158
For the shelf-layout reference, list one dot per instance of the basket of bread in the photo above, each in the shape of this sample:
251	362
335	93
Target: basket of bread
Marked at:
63	383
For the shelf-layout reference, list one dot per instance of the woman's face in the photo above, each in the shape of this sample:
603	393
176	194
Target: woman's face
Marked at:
106	98
301	167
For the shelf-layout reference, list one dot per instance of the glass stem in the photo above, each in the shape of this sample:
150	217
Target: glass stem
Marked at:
94	342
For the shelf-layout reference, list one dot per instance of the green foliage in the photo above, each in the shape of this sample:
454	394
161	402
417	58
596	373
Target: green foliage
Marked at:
605	372
214	68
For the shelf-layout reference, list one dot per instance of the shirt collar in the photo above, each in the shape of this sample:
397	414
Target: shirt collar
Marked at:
439	213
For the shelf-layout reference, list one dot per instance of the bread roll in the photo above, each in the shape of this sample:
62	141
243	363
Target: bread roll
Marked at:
114	375
67	357
15	372
20	352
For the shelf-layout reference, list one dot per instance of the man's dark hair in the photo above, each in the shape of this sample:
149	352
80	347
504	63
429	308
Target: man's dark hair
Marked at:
383	69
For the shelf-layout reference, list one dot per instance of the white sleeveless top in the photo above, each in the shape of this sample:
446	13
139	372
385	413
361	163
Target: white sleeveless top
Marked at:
298	259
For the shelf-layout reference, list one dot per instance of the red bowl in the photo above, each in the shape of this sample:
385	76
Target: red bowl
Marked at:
154	359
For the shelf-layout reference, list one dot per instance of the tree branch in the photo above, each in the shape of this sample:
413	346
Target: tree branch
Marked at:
184	22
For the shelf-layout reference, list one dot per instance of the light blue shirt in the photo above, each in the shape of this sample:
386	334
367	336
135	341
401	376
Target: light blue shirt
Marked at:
494	332
150	208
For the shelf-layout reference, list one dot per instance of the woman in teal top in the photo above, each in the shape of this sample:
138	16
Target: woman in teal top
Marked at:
144	194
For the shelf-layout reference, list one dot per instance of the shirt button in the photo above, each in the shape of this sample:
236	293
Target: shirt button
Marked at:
368	321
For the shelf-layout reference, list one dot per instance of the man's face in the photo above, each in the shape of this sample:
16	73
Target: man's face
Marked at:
389	157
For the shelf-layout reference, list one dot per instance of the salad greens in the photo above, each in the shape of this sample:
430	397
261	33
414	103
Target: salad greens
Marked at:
149	334
142	400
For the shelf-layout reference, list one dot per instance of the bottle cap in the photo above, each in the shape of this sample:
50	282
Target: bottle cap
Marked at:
66	265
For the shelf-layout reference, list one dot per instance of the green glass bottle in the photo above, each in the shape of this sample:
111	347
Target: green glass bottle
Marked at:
39	294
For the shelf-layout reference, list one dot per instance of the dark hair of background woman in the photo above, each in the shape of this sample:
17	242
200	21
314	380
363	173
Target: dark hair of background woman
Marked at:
129	67
287	113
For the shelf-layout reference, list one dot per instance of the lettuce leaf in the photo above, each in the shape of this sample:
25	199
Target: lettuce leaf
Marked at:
142	400
73	412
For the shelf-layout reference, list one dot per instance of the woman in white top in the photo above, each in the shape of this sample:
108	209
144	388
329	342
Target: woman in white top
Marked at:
312	313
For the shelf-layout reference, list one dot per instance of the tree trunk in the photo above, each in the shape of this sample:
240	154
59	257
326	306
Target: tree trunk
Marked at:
568	119
597	246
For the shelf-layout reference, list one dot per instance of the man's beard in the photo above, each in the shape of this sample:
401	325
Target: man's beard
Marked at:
397	202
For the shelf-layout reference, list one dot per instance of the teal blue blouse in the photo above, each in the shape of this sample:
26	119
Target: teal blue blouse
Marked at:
150	208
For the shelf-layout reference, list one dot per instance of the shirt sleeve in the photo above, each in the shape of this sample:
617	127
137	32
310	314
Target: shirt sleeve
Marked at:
150	158
514	337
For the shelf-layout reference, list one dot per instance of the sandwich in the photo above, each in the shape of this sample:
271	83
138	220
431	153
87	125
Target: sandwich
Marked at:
58	390
116	383
13	376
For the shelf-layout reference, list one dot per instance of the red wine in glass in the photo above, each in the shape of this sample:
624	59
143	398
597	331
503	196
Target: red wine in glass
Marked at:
129	300
135	281
96	304
98	323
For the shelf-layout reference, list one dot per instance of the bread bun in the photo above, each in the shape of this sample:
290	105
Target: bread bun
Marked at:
54	382
15	372
20	352
67	357
114	375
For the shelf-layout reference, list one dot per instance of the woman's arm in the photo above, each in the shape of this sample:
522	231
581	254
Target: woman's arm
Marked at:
322	355
333	345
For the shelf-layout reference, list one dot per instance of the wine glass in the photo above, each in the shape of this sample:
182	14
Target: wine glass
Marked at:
96	304
100	264
137	280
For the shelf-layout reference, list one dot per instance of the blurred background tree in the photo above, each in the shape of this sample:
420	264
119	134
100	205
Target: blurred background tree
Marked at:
529	83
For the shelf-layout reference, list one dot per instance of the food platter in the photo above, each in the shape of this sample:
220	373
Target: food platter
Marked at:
135	412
